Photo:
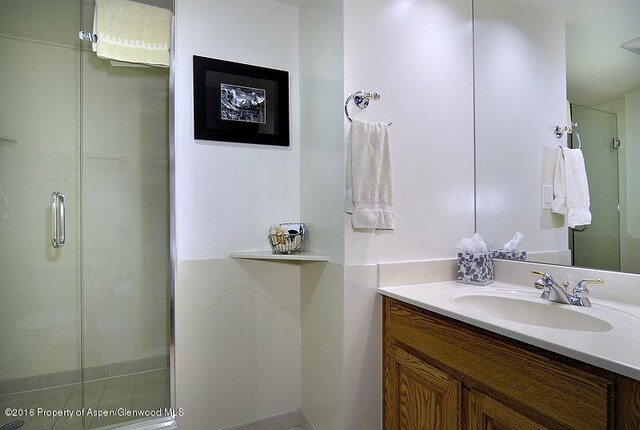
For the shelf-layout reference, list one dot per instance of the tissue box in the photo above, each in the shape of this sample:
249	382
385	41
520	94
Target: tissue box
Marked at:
475	269
510	255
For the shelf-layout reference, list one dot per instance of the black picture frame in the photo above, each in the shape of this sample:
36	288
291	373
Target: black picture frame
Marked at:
236	102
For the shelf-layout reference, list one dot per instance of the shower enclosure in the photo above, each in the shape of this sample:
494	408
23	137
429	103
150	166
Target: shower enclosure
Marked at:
85	269
598	246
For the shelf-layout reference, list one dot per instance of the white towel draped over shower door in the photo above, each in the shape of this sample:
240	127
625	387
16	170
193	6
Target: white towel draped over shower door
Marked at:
571	188
368	176
132	32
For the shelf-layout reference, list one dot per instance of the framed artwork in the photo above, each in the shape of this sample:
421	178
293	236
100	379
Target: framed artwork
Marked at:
236	102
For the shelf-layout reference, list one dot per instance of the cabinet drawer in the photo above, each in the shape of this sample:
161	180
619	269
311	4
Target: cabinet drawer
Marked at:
569	396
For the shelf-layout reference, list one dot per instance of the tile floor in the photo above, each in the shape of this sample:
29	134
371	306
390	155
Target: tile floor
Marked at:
147	391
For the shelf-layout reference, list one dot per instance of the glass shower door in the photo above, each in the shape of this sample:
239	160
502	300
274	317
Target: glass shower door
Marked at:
84	327
40	319
598	246
125	230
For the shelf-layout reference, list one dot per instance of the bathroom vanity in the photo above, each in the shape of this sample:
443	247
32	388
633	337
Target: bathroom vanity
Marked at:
441	372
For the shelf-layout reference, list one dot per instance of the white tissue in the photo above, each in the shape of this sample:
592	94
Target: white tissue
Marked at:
474	244
513	243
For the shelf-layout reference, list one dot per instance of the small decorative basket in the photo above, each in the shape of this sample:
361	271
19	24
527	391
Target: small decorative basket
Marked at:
287	238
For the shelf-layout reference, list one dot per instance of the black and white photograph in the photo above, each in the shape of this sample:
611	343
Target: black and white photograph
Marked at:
240	103
243	104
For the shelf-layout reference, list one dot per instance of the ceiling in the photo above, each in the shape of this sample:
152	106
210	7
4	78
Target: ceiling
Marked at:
597	67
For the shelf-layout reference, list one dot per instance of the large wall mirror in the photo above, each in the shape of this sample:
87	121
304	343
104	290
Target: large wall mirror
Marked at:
543	64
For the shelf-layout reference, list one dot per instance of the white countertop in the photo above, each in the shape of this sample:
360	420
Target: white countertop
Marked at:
616	349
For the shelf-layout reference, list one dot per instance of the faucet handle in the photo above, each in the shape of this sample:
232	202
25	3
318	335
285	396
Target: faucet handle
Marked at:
598	281
540	284
581	289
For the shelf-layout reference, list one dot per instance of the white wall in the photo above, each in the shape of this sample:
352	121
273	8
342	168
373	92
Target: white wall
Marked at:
227	194
321	152
322	185
237	323
520	96
237	342
362	348
322	313
418	56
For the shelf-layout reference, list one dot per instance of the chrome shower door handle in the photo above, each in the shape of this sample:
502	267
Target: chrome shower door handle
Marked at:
57	219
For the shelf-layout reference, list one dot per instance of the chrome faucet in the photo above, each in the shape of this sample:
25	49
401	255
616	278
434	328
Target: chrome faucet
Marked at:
553	292
550	289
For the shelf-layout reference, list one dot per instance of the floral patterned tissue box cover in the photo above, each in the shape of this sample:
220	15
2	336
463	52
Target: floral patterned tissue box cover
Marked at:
475	269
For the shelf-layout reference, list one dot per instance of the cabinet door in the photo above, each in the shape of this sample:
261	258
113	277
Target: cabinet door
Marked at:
418	396
486	413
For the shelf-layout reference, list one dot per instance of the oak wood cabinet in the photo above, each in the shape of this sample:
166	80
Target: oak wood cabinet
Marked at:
440	373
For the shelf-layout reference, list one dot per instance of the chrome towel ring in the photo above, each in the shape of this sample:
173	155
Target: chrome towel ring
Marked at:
361	100
560	130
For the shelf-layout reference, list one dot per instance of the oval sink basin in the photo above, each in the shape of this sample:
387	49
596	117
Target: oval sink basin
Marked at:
546	314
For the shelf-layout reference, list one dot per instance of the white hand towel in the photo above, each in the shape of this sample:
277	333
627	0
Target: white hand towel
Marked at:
132	32
571	189
368	176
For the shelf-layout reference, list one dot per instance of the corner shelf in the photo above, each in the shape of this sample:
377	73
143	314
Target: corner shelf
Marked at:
268	255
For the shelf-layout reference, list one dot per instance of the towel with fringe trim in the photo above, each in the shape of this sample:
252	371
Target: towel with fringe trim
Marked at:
132	32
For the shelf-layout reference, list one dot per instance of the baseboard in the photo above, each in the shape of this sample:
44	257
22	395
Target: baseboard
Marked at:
283	421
